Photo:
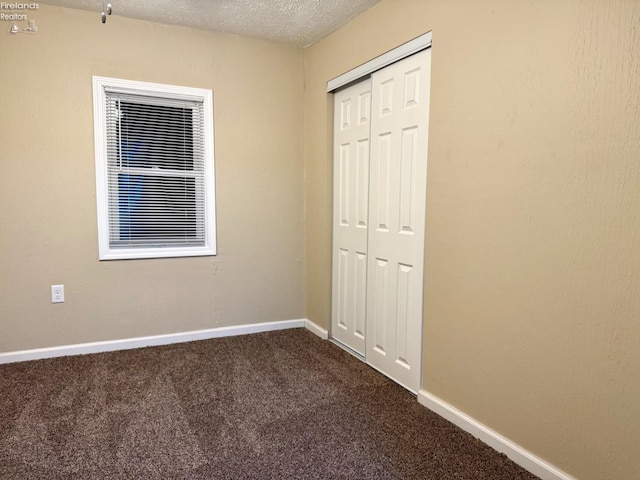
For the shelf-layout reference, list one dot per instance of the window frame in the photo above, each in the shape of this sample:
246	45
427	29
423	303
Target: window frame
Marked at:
105	250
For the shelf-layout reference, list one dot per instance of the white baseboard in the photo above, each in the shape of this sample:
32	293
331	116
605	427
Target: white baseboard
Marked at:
515	452
317	329
152	341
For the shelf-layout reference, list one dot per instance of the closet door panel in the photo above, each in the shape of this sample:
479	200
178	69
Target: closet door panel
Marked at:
352	113
398	170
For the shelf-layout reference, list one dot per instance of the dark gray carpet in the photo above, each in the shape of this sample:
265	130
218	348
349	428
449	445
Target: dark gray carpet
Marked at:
273	405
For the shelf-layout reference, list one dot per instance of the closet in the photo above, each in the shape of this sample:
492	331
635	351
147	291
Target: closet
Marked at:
379	184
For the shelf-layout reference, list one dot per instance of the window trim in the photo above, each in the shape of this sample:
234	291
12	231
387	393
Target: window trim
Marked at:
105	252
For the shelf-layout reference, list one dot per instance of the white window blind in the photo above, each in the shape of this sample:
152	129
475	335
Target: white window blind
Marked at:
155	174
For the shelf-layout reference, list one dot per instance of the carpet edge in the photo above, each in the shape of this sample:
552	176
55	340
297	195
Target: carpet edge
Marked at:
316	329
148	341
512	450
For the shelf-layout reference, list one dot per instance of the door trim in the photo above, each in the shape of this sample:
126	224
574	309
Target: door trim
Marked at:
405	50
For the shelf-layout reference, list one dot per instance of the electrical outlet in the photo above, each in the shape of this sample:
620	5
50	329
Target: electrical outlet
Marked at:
57	293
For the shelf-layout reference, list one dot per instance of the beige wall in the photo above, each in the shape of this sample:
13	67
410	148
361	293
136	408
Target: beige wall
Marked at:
532	293
47	186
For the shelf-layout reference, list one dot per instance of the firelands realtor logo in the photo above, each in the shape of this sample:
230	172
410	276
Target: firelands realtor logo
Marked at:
19	12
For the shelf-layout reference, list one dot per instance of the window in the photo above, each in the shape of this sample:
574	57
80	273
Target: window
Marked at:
154	170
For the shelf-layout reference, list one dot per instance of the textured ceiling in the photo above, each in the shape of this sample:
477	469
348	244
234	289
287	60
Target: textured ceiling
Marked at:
296	22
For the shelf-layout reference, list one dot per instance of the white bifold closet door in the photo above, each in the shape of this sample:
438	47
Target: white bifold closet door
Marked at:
379	217
350	213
